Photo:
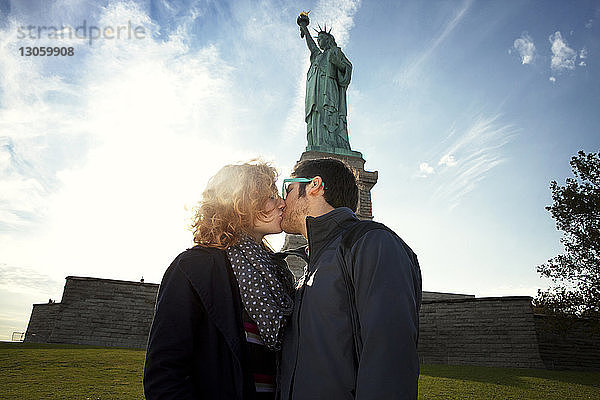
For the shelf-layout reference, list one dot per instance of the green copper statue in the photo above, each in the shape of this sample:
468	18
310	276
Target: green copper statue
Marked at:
326	84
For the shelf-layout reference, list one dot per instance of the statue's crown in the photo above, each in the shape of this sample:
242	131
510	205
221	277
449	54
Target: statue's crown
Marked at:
323	30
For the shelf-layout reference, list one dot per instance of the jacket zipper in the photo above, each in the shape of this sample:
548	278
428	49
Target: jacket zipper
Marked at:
311	256
299	310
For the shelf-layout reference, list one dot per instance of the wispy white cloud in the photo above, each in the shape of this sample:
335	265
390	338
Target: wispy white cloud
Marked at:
34	131
582	56
425	169
409	74
475	151
563	57
525	47
337	14
25	279
448	160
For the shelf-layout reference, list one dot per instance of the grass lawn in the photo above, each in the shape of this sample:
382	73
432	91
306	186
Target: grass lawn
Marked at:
34	372
81	372
449	382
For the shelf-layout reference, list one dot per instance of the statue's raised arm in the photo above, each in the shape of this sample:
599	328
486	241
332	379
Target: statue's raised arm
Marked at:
327	81
303	22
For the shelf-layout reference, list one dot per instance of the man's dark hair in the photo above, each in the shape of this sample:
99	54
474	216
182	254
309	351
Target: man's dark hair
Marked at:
341	189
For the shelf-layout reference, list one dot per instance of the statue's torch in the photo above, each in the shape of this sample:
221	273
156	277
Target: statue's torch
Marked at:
303	21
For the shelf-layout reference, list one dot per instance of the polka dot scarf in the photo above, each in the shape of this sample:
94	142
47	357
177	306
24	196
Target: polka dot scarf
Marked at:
266	289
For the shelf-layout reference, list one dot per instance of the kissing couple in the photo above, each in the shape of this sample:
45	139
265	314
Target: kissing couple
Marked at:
232	321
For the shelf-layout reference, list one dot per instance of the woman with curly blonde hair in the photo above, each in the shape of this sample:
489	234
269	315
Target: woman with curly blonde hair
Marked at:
223	304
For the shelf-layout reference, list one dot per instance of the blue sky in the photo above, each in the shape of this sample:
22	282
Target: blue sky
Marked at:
468	109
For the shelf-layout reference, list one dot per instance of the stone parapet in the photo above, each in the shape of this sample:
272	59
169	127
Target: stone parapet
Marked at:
488	331
569	343
99	312
433	296
42	322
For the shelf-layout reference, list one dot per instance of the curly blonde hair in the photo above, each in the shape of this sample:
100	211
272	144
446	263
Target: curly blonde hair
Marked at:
232	200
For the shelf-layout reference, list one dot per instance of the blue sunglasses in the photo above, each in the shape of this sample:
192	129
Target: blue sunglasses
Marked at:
285	187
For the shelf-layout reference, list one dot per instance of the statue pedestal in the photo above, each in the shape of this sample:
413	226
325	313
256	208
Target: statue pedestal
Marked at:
333	151
365	180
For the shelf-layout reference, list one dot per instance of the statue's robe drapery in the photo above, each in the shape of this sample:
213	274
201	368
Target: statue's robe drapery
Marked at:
325	103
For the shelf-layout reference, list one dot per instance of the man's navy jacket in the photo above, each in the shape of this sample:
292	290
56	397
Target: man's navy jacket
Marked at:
319	358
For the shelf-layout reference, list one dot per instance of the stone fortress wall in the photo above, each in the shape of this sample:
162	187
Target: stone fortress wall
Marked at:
99	312
489	331
454	328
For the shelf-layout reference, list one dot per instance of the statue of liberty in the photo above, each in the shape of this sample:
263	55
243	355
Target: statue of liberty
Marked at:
326	85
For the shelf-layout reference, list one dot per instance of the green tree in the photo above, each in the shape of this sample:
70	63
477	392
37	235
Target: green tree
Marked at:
575	274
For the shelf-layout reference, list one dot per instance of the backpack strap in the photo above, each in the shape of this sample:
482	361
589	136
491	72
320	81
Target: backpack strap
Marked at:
358	229
349	237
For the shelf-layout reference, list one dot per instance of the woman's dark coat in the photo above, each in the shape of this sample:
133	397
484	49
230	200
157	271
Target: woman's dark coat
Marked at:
197	347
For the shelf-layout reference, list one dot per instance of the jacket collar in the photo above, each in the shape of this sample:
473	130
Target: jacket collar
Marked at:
321	230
